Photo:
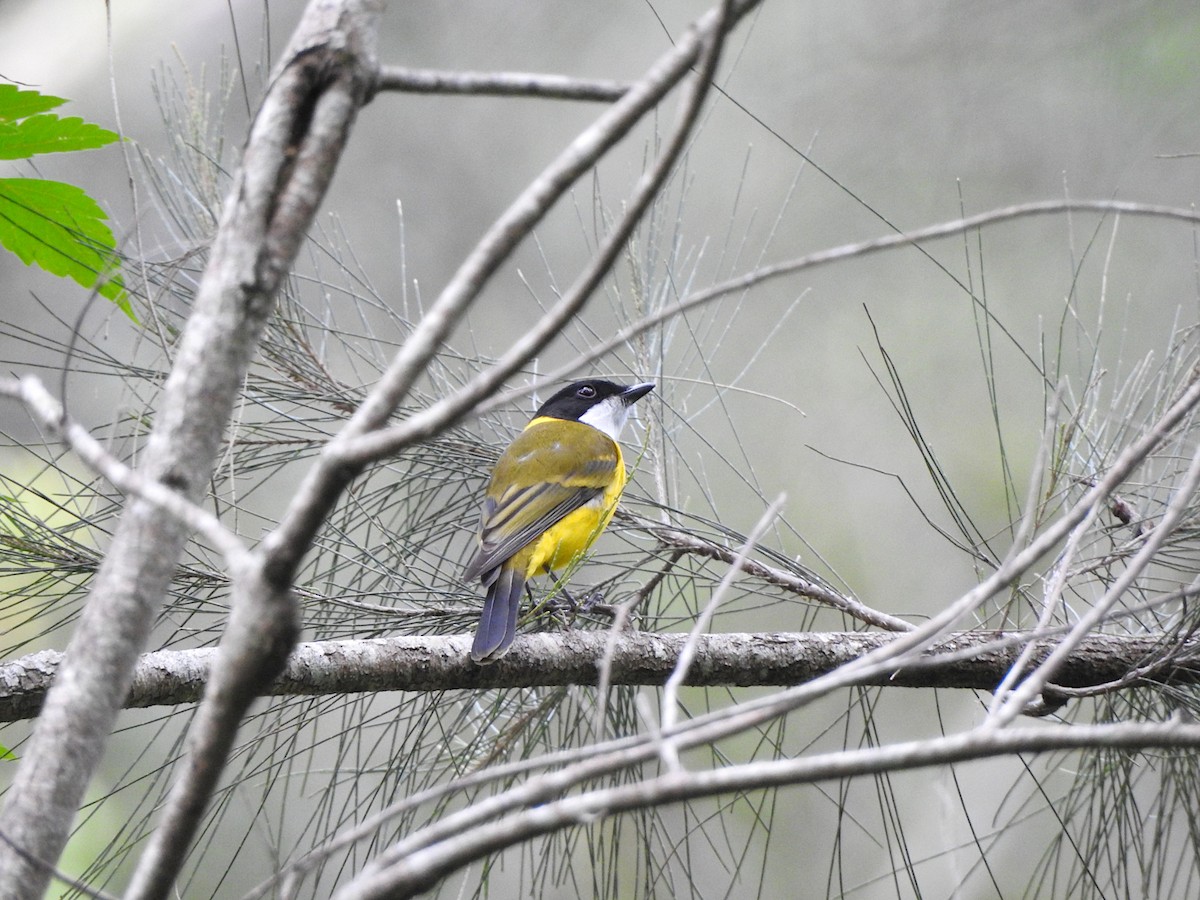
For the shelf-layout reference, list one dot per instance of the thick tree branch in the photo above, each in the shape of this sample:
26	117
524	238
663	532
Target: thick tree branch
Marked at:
306	116
975	660
281	180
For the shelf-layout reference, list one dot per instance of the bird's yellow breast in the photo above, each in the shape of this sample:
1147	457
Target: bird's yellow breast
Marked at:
565	541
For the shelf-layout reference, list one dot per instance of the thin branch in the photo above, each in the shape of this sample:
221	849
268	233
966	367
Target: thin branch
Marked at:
406	876
50	414
686	656
1032	686
675	539
1053	592
824	257
503	84
621	615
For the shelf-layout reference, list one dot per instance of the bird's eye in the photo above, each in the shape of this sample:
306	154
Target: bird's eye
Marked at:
587	392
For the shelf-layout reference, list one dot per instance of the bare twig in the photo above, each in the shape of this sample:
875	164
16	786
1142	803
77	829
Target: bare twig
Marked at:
49	412
1032	686
620	622
687	652
503	84
824	257
1058	581
675	539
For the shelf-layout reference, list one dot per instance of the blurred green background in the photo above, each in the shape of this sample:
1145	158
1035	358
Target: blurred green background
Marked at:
835	123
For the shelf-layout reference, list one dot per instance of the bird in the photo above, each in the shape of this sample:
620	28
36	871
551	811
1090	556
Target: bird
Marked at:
552	492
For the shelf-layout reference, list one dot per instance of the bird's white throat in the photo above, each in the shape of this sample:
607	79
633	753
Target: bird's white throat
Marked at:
609	416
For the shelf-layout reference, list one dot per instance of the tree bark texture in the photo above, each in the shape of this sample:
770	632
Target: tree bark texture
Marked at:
973	660
266	214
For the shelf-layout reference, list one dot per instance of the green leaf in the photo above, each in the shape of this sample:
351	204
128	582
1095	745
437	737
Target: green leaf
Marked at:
17	104
5	753
47	133
59	228
53	225
27	129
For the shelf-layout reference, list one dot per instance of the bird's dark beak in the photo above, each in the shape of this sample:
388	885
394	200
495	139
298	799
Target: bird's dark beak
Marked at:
634	393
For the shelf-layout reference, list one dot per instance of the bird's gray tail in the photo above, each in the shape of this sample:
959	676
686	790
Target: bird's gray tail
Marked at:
498	624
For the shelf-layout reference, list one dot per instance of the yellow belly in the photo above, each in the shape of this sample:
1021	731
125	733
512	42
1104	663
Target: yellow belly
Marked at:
562	544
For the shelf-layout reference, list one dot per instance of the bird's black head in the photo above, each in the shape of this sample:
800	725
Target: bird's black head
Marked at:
599	403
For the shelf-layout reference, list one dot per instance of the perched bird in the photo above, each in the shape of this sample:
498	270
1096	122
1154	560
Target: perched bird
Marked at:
553	491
